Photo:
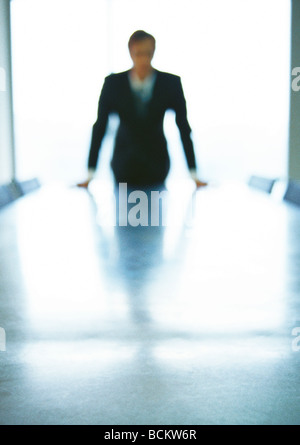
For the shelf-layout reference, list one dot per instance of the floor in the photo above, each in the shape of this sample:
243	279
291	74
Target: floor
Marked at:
189	322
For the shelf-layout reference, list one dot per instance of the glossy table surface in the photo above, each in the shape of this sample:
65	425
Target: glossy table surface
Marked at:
187	323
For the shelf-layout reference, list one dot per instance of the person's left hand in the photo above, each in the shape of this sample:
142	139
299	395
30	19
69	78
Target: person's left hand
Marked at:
199	183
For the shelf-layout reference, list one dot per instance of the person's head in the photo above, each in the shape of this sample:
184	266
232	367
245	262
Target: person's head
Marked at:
141	48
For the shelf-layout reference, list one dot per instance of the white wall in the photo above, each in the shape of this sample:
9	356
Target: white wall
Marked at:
6	127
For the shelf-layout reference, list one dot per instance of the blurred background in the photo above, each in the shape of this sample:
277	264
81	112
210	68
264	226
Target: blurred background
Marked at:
233	58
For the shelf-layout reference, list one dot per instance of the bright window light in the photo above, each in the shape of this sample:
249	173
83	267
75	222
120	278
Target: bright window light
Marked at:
233	57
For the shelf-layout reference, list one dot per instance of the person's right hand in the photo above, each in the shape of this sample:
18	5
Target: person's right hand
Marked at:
84	184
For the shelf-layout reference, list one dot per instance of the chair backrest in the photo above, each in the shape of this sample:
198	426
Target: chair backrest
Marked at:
292	194
5	196
28	186
261	183
9	193
15	189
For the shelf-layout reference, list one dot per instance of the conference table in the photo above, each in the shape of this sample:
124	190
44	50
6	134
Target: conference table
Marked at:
192	321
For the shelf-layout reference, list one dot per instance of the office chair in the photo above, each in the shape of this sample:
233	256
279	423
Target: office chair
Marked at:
261	183
292	194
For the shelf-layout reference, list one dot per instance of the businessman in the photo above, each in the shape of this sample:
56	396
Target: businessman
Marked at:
141	96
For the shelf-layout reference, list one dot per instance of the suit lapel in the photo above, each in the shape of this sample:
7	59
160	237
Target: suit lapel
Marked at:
127	98
156	94
155	87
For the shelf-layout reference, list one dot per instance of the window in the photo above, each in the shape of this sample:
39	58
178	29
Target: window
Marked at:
233	58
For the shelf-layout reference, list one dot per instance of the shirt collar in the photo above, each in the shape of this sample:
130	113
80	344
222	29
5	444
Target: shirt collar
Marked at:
138	83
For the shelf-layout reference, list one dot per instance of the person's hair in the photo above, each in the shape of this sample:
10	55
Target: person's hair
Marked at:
139	36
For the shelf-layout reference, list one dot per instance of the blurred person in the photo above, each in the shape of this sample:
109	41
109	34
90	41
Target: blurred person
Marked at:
141	96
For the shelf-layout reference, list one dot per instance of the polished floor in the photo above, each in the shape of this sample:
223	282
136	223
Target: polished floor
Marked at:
190	322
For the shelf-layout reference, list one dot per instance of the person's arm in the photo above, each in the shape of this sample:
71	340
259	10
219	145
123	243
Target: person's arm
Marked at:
98	131
179	104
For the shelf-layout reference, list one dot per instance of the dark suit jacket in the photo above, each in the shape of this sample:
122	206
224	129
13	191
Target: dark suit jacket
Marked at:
140	152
